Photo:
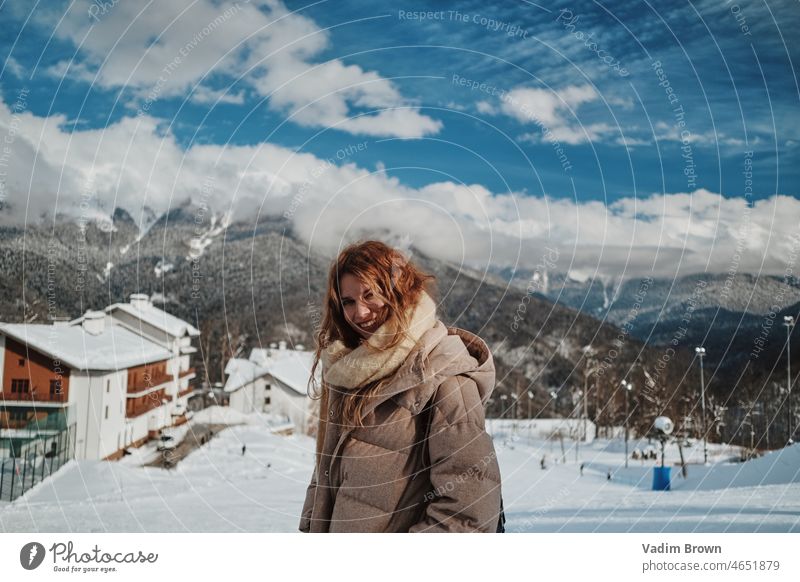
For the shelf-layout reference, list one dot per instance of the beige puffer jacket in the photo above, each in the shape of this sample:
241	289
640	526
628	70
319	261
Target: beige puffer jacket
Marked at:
377	478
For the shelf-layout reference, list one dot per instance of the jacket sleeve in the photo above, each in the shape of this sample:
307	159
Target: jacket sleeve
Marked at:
464	474
311	490
308	504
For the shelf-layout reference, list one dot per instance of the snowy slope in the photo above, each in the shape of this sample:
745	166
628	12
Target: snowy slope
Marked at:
216	488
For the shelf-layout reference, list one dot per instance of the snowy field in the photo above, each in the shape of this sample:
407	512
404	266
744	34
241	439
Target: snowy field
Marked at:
218	489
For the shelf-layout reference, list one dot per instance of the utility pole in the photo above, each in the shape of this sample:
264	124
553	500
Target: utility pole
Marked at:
578	426
788	321
585	416
701	352
627	386
530	416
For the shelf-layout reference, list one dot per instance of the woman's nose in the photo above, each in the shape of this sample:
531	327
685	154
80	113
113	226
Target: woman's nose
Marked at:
362	311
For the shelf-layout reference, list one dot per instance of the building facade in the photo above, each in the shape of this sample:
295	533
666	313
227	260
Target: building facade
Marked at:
114	378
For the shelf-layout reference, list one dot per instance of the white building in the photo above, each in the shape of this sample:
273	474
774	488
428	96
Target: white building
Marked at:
116	377
274	381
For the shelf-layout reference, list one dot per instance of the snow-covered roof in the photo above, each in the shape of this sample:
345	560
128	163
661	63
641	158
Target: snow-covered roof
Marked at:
241	372
158	318
294	370
290	367
115	348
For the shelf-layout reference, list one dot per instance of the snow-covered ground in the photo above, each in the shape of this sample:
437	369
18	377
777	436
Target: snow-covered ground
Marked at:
216	488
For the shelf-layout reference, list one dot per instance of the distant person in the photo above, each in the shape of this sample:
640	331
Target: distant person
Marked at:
542	463
608	475
582	465
396	378
244	448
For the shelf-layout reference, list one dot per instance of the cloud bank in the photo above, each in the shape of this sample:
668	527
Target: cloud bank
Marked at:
135	164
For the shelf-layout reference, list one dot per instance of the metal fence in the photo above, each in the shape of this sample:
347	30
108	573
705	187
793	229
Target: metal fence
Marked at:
36	459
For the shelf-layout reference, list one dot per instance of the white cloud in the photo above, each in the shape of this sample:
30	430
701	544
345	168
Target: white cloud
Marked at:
486	108
166	50
667	132
13	67
552	112
206	95
133	164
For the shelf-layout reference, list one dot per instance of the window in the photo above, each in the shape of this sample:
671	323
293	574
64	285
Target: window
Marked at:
22	361
106	412
55	387
266	401
20	386
108	386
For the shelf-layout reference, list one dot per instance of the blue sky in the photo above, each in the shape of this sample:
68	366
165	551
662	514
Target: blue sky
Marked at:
515	99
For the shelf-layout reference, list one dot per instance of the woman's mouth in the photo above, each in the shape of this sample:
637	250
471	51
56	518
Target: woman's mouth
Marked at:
370	325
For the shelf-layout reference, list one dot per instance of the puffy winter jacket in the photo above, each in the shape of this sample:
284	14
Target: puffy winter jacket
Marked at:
381	478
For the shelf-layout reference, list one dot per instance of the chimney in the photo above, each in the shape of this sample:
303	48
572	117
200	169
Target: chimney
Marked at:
94	322
140	300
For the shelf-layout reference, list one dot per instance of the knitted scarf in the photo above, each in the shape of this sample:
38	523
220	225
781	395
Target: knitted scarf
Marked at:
370	361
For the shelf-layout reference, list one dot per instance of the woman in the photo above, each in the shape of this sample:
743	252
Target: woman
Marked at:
401	442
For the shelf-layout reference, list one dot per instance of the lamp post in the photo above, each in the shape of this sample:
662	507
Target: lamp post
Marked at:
515	398
578	426
788	321
530	416
627	386
701	352
211	417
553	396
588	371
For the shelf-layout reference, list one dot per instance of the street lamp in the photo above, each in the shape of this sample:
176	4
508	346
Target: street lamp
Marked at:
211	417
530	416
514	413
588	371
553	399
701	352
788	321
578	426
628	387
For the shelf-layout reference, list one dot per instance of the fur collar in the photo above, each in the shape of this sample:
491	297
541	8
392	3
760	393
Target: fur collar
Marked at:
370	361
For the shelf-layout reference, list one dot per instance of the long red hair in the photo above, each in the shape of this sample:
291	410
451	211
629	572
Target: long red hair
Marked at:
396	281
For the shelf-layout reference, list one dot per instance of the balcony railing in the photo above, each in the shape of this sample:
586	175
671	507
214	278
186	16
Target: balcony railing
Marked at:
34	397
146	406
185	391
149	382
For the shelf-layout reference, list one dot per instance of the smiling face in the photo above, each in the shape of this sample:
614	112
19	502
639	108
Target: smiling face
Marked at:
363	310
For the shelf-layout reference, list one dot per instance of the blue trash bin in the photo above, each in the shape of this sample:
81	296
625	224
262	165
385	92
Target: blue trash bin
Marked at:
661	477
